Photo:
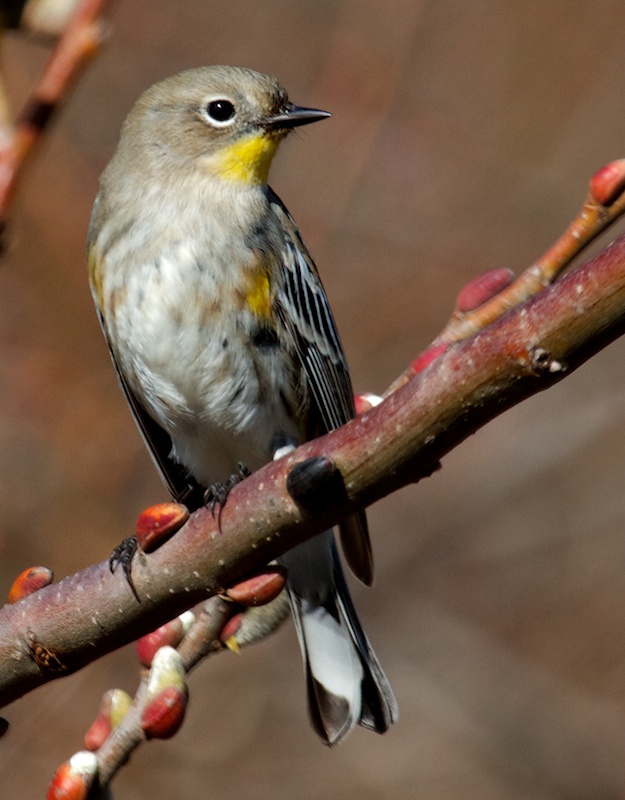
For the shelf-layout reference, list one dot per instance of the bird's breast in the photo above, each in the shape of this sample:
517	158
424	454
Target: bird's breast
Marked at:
195	335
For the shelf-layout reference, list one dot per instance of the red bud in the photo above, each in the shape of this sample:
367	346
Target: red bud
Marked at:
608	183
73	779
113	707
425	358
163	716
366	401
98	732
260	589
157	523
30	581
166	695
170	634
230	628
482	288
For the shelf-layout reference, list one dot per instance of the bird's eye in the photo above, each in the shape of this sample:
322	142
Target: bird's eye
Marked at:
220	111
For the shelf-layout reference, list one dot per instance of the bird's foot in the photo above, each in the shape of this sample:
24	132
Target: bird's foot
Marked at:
217	493
122	556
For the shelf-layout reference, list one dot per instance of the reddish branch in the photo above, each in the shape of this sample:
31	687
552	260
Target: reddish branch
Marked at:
76	46
93	612
496	292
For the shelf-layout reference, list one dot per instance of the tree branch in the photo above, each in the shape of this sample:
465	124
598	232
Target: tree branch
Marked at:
64	626
78	43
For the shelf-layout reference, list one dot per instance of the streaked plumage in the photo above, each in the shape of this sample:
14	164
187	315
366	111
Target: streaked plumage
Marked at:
224	341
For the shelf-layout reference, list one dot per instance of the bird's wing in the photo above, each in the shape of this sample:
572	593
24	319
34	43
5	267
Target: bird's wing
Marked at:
305	313
175	477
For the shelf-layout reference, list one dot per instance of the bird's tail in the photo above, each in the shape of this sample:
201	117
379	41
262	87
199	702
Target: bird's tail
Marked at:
346	684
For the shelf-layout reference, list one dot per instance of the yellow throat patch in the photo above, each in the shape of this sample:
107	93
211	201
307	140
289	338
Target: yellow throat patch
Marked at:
247	160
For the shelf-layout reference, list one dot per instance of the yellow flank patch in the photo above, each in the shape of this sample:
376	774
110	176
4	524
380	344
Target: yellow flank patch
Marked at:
94	265
248	159
258	294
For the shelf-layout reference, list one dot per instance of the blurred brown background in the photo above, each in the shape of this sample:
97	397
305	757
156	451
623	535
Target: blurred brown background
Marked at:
462	139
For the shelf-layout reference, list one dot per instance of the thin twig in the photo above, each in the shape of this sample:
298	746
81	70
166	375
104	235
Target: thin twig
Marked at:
604	204
77	45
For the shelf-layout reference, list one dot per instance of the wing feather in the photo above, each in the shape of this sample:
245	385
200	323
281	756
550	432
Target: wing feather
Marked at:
175	477
305	314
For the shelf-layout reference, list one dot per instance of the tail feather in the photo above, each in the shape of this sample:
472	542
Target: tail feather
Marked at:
346	684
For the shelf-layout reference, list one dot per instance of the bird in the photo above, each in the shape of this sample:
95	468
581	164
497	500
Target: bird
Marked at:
224	342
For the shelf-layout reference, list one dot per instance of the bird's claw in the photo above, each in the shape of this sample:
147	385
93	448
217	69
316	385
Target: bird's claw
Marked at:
122	557
217	493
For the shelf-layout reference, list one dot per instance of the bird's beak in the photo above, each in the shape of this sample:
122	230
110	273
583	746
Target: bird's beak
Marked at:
290	116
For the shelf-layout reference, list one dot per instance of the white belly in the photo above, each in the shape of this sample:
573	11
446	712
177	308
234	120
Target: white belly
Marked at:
190	361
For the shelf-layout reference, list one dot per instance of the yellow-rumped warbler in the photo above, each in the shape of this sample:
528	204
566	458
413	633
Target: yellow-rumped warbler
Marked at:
224	341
